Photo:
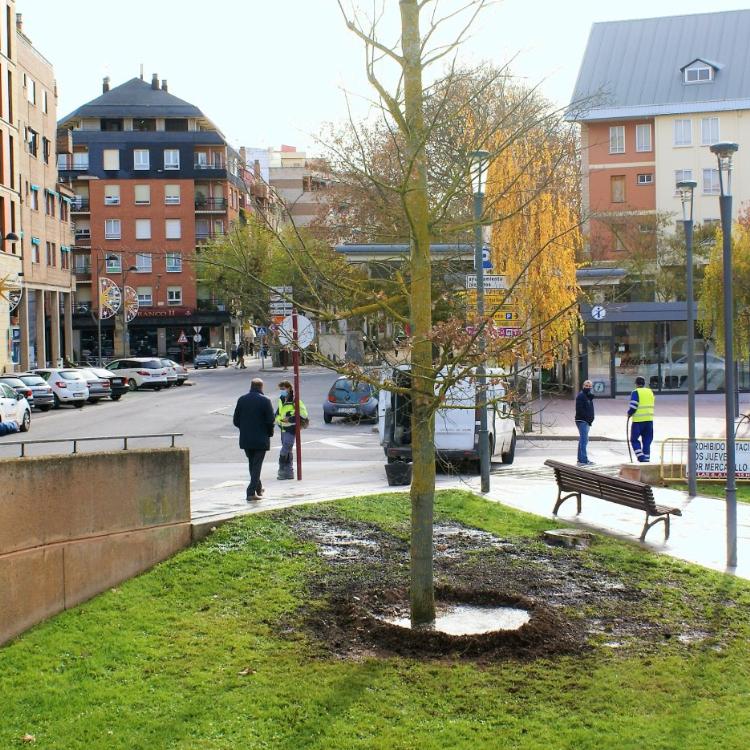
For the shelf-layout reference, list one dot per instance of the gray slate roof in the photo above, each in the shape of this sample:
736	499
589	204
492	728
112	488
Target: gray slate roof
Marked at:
633	68
135	98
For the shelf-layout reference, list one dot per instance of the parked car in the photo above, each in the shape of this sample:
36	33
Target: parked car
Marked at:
176	373
68	386
141	372
14	407
349	398
118	384
19	387
211	358
99	387
44	398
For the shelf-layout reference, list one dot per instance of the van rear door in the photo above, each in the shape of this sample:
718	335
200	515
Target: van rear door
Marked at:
455	423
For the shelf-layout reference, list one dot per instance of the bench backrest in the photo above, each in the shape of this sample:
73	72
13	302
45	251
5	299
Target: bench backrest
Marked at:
614	489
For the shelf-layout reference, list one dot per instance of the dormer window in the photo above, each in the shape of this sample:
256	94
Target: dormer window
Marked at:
699	71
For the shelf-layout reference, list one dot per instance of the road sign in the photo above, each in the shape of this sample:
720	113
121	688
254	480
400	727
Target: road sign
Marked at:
183	338
305	331
279	291
276	308
598	312
197	329
261	331
197	338
507	333
491	281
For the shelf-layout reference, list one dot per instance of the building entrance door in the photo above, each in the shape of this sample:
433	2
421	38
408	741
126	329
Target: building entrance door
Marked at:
599	365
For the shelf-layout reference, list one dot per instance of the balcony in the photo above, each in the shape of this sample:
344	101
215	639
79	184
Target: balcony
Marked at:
203	234
201	164
73	162
203	204
82	238
82	271
80	206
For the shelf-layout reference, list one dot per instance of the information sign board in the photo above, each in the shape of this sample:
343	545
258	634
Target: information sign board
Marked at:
491	281
711	459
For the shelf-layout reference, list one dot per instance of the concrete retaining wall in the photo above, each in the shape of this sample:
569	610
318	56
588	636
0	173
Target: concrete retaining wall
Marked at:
73	526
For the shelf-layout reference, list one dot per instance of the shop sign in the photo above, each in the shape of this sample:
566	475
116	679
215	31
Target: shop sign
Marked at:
167	312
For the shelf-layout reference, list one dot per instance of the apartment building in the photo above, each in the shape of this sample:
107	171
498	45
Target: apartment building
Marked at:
44	331
153	180
11	268
652	96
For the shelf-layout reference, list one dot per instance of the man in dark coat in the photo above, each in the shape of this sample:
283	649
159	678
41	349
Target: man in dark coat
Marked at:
254	417
584	419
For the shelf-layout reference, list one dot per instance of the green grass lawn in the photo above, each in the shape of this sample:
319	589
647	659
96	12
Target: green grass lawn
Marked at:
210	650
716	489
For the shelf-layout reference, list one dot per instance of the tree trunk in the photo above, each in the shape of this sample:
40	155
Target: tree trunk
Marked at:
422	387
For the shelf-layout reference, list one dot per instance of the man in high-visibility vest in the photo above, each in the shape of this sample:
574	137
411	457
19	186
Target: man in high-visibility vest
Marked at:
641	412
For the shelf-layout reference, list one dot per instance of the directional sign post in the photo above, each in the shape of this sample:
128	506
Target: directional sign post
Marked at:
491	281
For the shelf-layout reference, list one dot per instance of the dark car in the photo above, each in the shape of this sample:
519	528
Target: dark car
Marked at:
19	387
352	399
44	398
99	386
211	357
118	385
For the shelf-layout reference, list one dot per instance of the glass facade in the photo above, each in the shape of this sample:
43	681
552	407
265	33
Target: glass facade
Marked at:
614	354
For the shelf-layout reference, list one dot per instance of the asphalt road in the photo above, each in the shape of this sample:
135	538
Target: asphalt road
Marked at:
338	455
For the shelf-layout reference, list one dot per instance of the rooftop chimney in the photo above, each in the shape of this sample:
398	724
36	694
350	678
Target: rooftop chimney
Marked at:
155	81
105	84
164	85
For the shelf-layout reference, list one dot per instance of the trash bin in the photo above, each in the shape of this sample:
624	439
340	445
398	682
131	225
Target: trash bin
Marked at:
398	473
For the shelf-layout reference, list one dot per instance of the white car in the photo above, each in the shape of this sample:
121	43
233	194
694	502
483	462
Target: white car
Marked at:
141	372
176	373
14	408
68	386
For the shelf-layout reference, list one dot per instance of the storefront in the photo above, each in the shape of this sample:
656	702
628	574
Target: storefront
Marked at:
622	341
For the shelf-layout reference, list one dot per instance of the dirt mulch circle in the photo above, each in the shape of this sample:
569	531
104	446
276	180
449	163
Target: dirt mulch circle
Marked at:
574	604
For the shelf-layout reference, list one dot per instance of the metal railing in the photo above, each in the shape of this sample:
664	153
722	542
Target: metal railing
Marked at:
76	441
209	204
79	205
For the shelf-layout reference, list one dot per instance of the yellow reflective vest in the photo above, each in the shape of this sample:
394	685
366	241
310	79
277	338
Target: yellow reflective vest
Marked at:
285	414
644	405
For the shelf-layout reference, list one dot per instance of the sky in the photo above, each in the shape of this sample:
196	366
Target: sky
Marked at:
268	73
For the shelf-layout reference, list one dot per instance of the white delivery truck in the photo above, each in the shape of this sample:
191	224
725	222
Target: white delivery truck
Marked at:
456	422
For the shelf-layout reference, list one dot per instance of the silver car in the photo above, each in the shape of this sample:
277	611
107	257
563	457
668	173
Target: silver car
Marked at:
43	398
99	386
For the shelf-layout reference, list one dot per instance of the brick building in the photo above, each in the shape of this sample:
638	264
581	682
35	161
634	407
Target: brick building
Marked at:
153	179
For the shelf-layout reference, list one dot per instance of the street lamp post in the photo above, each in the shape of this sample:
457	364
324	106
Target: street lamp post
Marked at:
479	164
686	189
724	153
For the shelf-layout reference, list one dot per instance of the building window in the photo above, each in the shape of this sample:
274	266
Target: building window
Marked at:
143	262
643	137
45	102
65	259
699	73
145	296
143	229
49	203
141	159
30	88
51	253
32	141
45	150
171	158
34	199
81	160
617	139
111	195
142	195
617	188
144	123
682	175
173	229
618	237
35	252
683	132
172	195
711	182
174	262
113	264
111	159
112	229
645	179
709	131
174	295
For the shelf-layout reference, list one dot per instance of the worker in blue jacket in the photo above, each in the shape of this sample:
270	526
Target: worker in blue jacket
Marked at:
641	412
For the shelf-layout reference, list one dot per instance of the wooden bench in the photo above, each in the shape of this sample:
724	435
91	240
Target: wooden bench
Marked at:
576	482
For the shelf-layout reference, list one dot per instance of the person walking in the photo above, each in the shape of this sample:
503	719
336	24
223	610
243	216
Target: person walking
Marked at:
251	341
584	419
233	352
285	418
240	358
641	412
254	417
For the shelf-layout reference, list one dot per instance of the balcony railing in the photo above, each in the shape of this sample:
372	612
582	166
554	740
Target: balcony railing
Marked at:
210	204
215	164
83	239
207	234
67	163
80	205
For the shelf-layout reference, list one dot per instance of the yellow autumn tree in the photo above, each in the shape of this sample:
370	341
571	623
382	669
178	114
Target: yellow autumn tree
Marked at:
531	207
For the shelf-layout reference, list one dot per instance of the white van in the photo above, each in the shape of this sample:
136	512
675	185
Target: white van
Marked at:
456	424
